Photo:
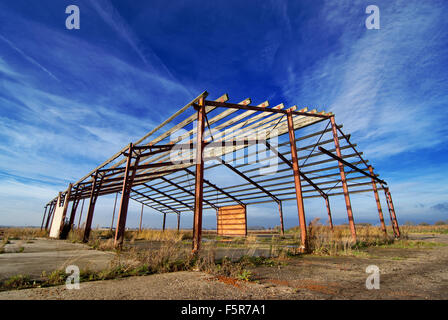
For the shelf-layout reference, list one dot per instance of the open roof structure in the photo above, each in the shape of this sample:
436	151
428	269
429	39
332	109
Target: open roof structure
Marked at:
267	154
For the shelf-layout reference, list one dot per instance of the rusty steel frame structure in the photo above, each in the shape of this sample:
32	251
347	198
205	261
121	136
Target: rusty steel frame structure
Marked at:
145	171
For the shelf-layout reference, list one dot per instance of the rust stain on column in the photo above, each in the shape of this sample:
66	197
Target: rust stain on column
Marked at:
297	182
330	220
343	179
128	180
392	212
89	218
199	181
280	211
378	203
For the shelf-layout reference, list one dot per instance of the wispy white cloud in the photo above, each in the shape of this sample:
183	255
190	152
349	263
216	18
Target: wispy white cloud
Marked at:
113	18
27	57
380	83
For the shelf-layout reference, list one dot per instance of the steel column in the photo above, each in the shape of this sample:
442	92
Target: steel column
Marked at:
343	179
178	222
164	221
43	219
80	214
74	207
199	178
330	220
113	213
128	179
280	212
392	212
64	212
297	183
141	218
93	197
50	213
378	203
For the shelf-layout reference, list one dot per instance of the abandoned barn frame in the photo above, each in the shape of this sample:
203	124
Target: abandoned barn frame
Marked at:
244	139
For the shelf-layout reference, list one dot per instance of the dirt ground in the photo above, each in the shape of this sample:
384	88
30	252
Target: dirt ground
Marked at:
405	273
32	257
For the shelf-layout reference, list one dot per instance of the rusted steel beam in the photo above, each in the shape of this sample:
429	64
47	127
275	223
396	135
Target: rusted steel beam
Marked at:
164	221
261	109
343	179
50	213
244	196
113	213
186	191
96	186
64	212
280	212
58	199
390	204
348	164
128	180
156	201
330	220
199	179
142	175
202	95
352	146
298	184
74	206
43	219
242	175
285	160
214	186
378	203
168	196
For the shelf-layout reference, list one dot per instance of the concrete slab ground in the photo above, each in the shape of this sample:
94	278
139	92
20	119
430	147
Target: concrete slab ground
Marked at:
32	257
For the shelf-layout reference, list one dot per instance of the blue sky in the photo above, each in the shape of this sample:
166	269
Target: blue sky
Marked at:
69	99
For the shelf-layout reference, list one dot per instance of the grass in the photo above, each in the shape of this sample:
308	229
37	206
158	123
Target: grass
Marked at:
170	251
413	244
22	233
429	229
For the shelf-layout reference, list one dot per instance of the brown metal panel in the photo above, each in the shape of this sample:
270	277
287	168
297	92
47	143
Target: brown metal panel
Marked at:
297	182
344	181
232	220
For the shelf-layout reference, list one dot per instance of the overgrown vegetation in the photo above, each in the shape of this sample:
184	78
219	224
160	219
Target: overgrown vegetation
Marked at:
154	251
21	233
